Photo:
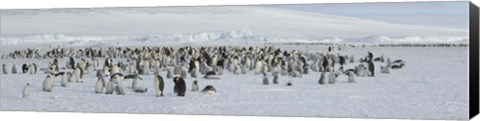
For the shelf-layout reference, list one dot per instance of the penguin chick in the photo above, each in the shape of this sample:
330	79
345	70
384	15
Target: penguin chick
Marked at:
99	85
195	85
265	79
48	84
26	90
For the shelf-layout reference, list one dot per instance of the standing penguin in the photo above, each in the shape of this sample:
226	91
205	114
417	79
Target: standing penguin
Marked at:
78	74
146	67
4	68
25	68
258	66
170	73
351	77
33	68
64	80
70	76
323	78
26	90
265	79
119	89
275	78
115	69
94	64
158	84
48	84
106	71
109	89
180	86
332	78
385	69
371	67
243	69
195	86
14	69
183	74
99	85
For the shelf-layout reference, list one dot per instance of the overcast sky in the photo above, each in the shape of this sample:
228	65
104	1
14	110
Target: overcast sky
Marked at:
441	14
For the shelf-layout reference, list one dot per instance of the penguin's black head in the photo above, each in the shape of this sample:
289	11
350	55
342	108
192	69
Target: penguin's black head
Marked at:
175	79
28	84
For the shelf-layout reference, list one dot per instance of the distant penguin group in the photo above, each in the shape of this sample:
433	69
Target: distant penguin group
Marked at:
190	63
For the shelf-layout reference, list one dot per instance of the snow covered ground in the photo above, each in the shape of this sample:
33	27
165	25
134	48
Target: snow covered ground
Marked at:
432	85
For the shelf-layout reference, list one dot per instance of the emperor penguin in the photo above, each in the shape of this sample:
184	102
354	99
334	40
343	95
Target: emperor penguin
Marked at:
243	69
211	75
4	68
385	69
26	90
146	67
265	79
78	74
119	89
109	89
71	63
108	62
236	69
115	69
158	84
195	86
332	78
258	66
170	73
370	65
179	86
323	78
48	84
351	77
389	62
70	76
183	74
156	66
194	74
276	78
99	85
290	83
25	68
64	80
106	71
371	68
14	69
360	70
209	89
351	59
177	70
33	68
138	86
94	64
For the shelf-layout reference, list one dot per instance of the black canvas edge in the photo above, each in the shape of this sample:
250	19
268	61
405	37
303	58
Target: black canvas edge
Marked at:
474	60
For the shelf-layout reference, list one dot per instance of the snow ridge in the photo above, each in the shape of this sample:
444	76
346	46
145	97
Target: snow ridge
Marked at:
232	37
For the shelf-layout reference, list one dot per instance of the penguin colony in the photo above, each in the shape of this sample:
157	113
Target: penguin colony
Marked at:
189	64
